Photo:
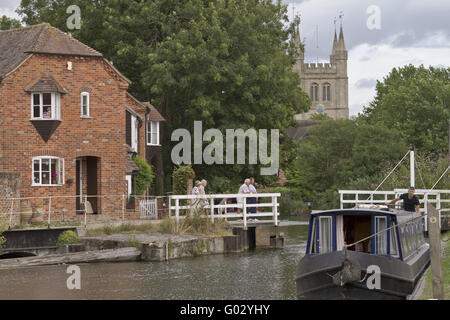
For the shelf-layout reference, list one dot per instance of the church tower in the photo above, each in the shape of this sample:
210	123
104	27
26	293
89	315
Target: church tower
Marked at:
325	83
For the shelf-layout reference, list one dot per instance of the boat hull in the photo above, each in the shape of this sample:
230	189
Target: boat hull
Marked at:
317	275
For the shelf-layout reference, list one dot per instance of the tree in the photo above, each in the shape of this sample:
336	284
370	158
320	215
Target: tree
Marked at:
416	102
9	23
338	151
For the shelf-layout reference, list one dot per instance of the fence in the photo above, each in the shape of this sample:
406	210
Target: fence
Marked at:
439	198
96	208
181	206
148	209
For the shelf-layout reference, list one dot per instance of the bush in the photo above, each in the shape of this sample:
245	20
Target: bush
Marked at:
180	177
144	177
67	237
291	201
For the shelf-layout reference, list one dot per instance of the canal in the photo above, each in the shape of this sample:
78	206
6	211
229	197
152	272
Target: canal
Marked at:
261	274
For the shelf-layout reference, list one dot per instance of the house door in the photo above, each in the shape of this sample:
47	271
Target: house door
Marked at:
87	176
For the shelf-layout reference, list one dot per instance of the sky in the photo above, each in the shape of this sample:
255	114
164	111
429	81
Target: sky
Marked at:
399	32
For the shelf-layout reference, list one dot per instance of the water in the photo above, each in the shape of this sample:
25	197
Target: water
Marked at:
262	274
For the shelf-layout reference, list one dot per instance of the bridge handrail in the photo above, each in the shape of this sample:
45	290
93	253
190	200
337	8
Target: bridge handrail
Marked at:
209	205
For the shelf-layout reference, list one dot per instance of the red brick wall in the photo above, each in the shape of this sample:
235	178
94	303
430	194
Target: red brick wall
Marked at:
101	136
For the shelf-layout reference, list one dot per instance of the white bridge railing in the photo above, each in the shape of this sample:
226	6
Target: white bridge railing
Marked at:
267	207
439	198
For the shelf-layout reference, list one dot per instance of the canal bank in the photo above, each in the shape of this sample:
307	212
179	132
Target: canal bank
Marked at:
259	274
21	251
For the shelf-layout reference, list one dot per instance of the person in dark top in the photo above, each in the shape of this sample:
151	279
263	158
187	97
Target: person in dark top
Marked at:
410	201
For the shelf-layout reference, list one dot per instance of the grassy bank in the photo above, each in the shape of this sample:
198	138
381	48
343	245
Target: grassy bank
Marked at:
428	290
189	226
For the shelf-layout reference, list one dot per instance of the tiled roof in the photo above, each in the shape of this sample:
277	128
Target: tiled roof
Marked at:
17	44
302	129
130	165
154	114
46	83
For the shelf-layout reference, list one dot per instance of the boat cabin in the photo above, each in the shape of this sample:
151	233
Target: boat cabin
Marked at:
362	230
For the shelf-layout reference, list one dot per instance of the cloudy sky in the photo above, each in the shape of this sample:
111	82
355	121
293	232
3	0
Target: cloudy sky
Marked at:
410	31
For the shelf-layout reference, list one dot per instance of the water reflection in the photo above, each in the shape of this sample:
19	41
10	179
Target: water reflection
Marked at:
262	274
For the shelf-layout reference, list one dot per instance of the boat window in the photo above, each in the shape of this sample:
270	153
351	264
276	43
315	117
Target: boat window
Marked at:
313	246
394	243
381	238
357	228
325	234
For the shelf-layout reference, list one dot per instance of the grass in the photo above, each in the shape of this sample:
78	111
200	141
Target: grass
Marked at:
189	226
428	290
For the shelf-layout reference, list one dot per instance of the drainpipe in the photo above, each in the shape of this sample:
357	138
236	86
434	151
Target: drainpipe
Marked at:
411	163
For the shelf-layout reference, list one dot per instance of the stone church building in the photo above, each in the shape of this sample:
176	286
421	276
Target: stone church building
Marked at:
325	83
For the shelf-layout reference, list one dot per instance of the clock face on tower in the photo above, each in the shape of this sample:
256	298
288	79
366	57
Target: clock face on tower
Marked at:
320	108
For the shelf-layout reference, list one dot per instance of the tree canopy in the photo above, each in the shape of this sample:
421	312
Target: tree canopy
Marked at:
7	23
416	102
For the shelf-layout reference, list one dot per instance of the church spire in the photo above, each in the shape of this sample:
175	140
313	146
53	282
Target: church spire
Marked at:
341	43
335	42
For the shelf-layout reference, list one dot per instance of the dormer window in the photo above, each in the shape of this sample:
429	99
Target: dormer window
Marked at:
85	105
153	133
45	106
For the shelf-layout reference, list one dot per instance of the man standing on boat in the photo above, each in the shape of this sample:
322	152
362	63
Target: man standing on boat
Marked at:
410	201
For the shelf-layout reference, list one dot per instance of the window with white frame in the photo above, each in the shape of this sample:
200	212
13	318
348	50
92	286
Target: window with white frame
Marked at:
85	104
325	234
45	106
134	133
48	171
381	235
153	133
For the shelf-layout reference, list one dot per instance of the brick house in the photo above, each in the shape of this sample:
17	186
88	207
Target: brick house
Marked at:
68	125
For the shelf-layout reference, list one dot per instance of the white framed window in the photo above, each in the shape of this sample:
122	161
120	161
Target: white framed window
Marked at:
85	104
153	133
47	171
129	180
381	238
325	234
45	106
134	133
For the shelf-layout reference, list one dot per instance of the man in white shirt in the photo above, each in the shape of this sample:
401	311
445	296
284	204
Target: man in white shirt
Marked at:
243	190
252	189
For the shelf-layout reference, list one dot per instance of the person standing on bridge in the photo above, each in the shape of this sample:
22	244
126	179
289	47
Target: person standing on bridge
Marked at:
410	202
252	189
243	190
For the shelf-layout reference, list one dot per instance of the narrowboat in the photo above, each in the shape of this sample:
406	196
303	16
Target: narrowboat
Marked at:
362	254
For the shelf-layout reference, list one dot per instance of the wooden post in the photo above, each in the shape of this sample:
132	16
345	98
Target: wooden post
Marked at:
49	210
177	210
244	213
123	207
434	233
275	210
212	209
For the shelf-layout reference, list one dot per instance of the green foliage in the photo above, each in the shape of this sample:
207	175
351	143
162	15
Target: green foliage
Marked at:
67	237
320	116
9	23
180	177
416	102
145	175
133	242
292	201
